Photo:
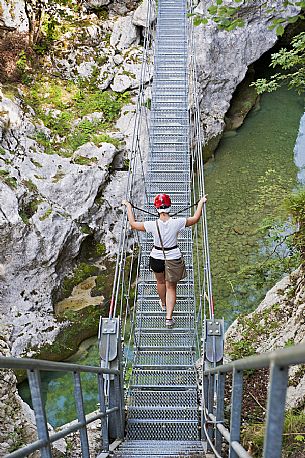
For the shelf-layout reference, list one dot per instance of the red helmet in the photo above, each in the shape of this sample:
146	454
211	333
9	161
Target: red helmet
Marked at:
162	201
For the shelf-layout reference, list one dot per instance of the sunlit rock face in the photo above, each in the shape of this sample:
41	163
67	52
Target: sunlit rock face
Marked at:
13	15
44	201
115	6
278	322
223	58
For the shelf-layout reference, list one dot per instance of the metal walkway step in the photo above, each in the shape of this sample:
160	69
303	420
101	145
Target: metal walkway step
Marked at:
183	379
158	449
164	430
168	359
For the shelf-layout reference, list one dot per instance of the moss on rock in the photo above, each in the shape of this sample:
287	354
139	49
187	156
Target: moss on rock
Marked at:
244	99
82	271
82	324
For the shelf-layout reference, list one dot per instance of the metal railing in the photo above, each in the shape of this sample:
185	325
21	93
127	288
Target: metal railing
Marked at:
213	386
107	407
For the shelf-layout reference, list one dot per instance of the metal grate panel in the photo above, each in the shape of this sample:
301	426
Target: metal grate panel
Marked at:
162	430
167	413
157	449
165	358
171	339
148	322
183	290
151	305
185	377
162	398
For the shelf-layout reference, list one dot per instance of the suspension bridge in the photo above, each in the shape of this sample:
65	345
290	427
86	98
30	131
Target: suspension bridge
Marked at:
165	408
162	393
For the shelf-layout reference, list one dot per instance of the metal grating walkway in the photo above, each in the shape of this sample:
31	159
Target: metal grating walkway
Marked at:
162	402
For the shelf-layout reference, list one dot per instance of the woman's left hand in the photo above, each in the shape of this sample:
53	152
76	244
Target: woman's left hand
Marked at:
125	202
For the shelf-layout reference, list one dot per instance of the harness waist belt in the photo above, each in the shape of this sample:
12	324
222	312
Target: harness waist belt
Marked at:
165	249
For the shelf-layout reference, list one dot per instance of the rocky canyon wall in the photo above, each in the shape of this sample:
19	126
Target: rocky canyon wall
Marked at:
64	153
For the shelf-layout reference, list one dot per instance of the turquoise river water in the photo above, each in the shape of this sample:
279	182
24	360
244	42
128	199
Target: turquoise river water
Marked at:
245	181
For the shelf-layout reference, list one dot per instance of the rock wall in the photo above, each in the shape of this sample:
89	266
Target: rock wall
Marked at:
223	59
50	203
279	321
34	251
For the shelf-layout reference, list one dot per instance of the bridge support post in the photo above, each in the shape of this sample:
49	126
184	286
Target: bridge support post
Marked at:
40	414
212	356
79	402
219	409
236	404
275	411
104	428
111	357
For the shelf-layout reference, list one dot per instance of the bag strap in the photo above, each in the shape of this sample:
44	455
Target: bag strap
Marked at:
158	229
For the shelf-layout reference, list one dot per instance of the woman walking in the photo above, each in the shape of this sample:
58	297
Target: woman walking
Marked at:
165	231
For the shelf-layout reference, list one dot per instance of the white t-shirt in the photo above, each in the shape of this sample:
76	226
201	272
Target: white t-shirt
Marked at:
169	231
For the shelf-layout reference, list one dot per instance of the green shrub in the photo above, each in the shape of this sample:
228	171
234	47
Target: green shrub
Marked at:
108	102
46	214
295	205
105	138
5	177
293	435
28	210
82	160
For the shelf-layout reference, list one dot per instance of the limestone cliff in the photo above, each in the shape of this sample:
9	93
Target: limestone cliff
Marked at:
223	59
58	190
279	321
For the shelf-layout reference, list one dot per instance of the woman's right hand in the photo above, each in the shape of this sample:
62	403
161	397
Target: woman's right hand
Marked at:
203	199
125	202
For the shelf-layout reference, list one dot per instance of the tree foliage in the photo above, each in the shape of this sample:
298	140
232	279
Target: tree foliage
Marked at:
292	61
229	17
45	15
295	205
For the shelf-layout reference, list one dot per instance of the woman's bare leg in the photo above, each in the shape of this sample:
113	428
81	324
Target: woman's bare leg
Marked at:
161	286
171	289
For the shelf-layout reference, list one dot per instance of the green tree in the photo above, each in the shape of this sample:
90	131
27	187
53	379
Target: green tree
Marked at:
228	17
49	13
292	61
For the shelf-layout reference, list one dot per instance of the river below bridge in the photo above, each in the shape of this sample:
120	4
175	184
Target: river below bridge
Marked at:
244	182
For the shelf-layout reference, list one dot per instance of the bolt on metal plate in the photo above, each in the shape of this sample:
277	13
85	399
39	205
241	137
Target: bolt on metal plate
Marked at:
213	328
109	326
